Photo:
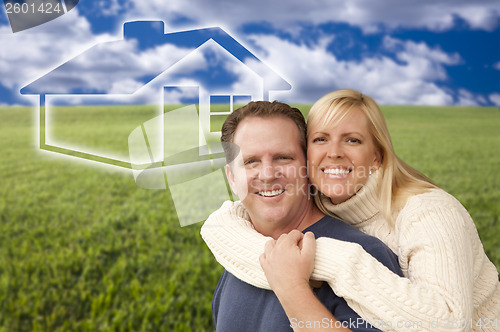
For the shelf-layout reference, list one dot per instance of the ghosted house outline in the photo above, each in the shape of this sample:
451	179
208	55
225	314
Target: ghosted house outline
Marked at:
152	33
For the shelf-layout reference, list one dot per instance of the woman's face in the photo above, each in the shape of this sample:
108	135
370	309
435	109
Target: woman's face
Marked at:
340	158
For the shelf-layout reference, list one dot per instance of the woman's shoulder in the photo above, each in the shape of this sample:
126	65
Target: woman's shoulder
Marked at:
434	200
432	218
431	198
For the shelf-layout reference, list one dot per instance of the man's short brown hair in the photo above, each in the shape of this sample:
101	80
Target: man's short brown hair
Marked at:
263	109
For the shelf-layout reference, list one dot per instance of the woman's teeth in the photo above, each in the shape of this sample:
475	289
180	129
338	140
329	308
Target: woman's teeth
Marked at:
336	171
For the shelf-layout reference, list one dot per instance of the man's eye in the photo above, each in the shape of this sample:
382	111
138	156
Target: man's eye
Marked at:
250	162
284	159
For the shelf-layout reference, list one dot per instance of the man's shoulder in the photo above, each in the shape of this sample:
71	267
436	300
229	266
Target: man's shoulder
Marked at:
337	229
229	283
238	306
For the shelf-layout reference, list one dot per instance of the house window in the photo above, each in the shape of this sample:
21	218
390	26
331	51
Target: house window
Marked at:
222	105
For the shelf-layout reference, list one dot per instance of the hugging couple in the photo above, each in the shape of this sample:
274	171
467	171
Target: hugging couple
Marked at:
375	245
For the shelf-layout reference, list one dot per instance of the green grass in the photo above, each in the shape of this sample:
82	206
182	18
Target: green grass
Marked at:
82	248
75	129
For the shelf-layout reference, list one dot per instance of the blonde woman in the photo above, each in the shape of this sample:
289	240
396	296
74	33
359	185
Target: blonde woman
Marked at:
449	284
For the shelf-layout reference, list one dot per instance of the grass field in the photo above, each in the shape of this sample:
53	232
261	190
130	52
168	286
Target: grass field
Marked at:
82	248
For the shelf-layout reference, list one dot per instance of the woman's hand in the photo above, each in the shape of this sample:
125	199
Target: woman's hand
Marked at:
289	261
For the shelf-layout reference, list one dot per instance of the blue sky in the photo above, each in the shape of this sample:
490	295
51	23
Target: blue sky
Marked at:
413	52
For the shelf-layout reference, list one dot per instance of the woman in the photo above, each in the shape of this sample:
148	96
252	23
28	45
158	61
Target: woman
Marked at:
450	283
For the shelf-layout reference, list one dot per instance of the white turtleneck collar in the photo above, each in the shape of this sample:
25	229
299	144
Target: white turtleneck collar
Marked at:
360	208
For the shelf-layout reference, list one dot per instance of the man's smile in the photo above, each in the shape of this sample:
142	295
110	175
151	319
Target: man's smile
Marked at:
271	193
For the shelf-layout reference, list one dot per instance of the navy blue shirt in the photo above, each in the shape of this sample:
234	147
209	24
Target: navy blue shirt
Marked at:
238	306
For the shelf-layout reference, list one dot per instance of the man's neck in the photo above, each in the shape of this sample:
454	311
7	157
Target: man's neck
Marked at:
310	215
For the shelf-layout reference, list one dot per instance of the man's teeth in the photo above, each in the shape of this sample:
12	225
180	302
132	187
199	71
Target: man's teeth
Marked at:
271	193
336	171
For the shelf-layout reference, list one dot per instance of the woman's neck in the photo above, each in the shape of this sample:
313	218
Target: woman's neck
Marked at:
361	207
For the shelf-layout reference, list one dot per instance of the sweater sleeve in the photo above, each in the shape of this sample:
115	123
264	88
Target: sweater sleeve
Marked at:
436	246
235	244
438	293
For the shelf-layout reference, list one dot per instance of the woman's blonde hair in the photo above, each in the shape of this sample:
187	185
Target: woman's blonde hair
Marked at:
398	180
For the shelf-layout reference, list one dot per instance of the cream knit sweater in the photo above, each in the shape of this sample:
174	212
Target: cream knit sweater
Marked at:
450	283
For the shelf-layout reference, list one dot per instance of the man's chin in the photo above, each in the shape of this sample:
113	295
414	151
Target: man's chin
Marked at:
273	216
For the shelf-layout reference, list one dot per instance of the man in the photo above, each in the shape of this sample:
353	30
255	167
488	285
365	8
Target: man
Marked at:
265	145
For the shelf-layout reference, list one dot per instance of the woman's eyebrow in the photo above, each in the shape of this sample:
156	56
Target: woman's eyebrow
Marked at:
353	133
319	133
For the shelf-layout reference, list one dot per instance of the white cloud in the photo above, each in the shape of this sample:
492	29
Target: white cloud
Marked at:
484	16
119	64
467	98
10	105
368	14
495	98
27	55
109	7
313	71
126	84
411	50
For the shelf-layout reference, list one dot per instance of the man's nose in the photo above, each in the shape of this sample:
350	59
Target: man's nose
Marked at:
268	171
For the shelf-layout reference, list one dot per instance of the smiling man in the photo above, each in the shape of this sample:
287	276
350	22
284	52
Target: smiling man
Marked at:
265	145
269	175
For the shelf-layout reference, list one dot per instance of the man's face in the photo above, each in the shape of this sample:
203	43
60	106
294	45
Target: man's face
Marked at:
269	175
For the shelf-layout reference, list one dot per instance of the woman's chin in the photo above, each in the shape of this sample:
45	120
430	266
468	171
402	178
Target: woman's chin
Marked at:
338	194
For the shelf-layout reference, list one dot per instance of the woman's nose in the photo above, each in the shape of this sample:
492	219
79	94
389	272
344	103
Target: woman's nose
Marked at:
335	151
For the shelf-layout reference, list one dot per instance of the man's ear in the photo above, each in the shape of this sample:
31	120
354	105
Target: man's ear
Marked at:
230	178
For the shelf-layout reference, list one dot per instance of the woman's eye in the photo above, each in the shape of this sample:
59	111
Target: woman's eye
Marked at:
319	140
353	140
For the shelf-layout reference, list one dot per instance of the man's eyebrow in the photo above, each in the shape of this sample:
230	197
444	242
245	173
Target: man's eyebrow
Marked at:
285	154
249	156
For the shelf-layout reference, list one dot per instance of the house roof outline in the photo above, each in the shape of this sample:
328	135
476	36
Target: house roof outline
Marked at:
191	165
148	34
66	78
